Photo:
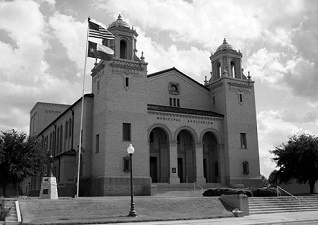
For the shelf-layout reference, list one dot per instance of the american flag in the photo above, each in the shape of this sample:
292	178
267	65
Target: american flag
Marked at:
98	31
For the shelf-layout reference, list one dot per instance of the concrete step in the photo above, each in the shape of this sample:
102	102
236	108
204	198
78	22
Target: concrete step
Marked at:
258	205
12	218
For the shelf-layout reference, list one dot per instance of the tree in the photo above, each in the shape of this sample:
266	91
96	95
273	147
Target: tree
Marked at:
272	179
264	180
20	157
298	159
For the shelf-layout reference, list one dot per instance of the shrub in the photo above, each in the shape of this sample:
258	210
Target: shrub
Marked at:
3	211
227	191
265	192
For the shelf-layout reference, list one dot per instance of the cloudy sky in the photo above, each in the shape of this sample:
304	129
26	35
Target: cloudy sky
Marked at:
42	45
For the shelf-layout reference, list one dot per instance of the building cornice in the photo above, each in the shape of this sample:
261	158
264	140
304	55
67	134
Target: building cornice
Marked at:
183	112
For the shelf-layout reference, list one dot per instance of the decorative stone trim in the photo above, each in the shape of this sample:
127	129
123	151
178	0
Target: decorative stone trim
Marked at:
126	71
177	117
97	68
215	86
53	111
174	88
127	64
240	86
178	110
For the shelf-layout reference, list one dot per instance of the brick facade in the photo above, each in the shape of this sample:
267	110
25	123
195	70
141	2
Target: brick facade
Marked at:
182	131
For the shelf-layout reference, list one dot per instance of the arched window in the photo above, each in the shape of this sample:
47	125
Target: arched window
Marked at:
218	70
66	130
233	70
57	141
70	128
123	49
61	139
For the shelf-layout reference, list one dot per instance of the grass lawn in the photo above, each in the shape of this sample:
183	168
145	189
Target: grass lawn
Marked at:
115	209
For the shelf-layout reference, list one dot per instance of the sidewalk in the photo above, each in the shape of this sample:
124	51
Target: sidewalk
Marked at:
307	217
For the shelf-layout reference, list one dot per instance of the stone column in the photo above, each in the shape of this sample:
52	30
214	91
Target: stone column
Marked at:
229	69
173	156
221	160
199	164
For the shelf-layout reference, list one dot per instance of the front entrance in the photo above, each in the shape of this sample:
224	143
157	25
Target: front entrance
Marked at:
210	158
154	169
186	157
180	170
159	156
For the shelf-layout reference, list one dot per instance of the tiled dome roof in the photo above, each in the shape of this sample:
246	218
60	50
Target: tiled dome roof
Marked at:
225	46
119	23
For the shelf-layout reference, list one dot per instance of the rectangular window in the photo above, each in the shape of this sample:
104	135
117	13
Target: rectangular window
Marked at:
66	130
97	144
174	102
241	98
178	102
243	140
213	100
126	131
126	164
127	82
246	169
170	101
61	139
70	128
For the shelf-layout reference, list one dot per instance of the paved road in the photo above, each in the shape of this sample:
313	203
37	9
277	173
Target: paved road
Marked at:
298	218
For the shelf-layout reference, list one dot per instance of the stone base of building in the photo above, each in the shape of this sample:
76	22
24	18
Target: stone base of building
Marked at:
248	182
67	189
120	186
49	188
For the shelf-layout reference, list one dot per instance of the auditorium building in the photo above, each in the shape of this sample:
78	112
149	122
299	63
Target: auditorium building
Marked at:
183	132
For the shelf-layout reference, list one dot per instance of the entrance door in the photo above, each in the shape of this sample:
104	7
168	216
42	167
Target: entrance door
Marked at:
205	169
153	169
180	170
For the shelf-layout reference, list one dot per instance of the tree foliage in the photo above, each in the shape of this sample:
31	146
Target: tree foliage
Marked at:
20	157
272	179
298	159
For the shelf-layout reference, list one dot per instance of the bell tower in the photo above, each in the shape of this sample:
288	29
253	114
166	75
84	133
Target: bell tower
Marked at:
232	94
120	104
124	44
226	62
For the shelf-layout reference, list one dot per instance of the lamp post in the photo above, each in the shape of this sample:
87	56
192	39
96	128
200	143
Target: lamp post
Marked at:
132	211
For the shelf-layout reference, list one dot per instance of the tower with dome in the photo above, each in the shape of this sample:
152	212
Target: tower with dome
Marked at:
182	131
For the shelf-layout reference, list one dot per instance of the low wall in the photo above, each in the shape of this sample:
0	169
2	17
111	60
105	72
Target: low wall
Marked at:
236	201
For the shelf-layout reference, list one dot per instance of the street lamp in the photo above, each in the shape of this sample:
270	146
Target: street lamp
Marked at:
132	211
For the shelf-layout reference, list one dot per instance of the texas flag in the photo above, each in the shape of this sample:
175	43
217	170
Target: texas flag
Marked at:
99	51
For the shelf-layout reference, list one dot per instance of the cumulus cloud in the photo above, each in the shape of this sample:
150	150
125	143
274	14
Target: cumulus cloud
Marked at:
266	66
271	34
205	22
273	130
310	116
72	35
193	61
24	69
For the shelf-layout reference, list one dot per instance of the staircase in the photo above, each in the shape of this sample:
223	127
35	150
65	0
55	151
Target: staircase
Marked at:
262	205
13	217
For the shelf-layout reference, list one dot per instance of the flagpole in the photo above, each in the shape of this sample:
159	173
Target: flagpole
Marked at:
82	112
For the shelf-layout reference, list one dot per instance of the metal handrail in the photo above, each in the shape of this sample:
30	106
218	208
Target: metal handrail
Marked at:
195	183
290	195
